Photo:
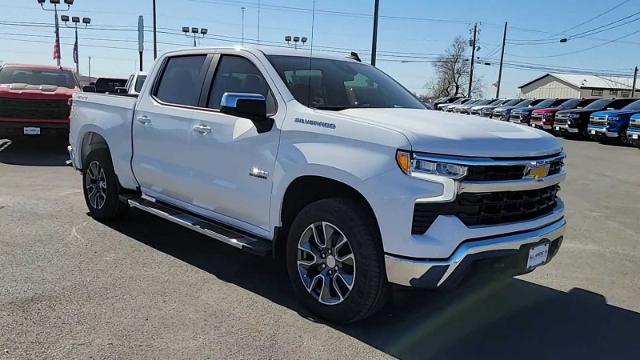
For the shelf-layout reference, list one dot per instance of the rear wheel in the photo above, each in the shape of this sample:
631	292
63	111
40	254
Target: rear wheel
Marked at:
101	187
335	260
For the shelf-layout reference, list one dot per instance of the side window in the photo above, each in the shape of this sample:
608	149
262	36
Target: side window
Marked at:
237	74
180	82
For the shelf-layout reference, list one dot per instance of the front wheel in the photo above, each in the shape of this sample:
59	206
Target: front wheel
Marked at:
335	260
101	187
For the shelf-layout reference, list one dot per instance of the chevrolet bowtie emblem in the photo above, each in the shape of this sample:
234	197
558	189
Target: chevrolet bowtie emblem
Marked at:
537	171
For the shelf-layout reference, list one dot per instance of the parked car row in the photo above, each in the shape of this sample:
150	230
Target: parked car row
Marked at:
605	119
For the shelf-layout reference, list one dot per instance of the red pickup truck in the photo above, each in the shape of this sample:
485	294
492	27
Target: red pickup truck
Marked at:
35	99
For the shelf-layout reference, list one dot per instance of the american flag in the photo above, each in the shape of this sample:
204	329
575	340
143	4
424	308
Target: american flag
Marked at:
56	44
75	52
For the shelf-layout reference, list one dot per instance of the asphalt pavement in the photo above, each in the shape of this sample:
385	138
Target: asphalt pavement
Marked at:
144	288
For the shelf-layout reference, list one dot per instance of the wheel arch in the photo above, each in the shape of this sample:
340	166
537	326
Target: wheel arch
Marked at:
297	195
91	141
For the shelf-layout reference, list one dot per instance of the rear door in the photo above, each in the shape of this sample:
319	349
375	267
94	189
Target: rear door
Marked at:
162	126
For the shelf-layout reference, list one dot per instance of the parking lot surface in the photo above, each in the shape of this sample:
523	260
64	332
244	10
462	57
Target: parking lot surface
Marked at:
72	287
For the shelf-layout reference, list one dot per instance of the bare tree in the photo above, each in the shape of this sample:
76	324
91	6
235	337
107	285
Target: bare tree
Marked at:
452	72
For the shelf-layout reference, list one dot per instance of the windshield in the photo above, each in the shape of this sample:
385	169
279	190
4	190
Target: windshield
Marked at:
545	104
633	106
570	104
513	102
336	85
598	104
139	82
17	75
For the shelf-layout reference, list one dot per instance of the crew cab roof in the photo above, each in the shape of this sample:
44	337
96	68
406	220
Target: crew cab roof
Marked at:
36	66
266	50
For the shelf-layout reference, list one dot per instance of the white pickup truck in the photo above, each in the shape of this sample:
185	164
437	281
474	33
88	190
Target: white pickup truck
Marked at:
327	164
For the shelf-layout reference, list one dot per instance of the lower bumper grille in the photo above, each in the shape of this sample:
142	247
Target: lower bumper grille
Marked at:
34	109
488	208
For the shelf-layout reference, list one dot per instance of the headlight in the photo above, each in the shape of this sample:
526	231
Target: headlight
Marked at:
415	167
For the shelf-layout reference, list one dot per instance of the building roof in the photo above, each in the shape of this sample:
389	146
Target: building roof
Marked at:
580	81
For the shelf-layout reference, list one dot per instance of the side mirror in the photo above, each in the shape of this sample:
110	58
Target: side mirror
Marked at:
250	106
121	90
89	88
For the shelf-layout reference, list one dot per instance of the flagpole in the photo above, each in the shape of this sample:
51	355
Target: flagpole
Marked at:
76	52
56	51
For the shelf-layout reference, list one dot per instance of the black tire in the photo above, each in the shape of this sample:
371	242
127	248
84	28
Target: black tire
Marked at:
104	203
370	289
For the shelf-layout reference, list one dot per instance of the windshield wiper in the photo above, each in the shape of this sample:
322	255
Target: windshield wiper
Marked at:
331	107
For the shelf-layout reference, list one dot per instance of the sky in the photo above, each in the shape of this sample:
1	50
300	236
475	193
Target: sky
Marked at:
411	33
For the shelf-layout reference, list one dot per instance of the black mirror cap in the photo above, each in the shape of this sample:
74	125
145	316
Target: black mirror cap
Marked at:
89	88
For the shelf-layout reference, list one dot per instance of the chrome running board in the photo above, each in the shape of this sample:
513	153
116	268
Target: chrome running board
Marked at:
206	227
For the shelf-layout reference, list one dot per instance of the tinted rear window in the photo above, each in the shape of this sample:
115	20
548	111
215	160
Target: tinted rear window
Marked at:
139	82
181	81
17	75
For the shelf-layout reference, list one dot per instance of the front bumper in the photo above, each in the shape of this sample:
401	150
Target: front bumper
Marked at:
634	137
565	128
601	133
541	126
505	251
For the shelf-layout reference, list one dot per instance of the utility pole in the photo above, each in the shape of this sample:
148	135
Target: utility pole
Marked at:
243	9
473	58
635	77
374	40
155	38
504	42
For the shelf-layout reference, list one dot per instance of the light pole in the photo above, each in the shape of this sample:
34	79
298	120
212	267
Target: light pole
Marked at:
76	20
56	46
195	31
155	37
243	10
296	40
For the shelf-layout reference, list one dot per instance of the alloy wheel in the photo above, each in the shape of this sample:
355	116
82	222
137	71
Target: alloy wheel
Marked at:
326	263
96	185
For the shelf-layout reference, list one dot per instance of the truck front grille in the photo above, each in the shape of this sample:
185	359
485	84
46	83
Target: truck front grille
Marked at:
34	109
634	126
562	119
537	118
512	172
598	121
488	208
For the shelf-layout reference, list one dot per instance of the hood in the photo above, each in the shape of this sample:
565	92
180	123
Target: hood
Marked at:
575	111
454	134
19	90
545	110
523	110
616	113
506	108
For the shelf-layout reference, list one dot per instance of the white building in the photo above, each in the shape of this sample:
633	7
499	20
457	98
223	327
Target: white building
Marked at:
577	86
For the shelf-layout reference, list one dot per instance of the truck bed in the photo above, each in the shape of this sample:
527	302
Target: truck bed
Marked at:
110	117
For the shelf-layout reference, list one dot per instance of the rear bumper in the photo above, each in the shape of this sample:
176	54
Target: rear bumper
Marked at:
507	252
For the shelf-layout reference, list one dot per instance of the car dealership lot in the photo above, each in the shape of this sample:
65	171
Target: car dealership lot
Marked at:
72	287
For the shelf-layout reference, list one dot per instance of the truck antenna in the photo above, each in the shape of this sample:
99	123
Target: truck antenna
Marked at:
313	22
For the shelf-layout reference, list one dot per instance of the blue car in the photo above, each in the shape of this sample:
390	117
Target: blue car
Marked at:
612	125
633	132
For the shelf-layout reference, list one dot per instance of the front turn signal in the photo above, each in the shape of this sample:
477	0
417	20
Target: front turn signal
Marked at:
404	161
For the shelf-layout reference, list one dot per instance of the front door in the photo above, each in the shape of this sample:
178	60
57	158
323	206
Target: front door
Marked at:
233	178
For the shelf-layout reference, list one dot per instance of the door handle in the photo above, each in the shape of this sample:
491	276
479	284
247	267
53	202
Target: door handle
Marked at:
202	129
144	120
